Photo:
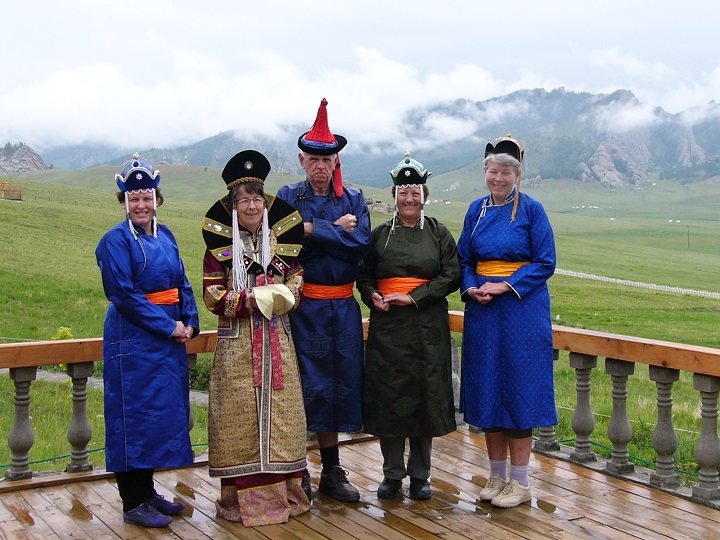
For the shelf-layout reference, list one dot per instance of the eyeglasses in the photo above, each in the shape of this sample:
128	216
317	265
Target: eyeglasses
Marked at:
244	203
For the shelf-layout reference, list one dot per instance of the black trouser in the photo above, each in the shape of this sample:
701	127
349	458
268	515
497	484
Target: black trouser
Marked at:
135	487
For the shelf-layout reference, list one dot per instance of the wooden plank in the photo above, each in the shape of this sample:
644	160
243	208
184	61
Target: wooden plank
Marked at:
30	520
692	358
200	492
73	351
569	502
300	530
68	513
110	512
13	530
364	521
101	509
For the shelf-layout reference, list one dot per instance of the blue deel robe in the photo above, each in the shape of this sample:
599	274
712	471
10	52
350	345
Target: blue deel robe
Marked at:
507	352
328	332
145	371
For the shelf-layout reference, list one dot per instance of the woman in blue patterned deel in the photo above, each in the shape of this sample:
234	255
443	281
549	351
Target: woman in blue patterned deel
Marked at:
507	254
152	314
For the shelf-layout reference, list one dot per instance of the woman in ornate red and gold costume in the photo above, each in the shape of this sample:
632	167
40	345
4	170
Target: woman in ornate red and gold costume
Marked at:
251	280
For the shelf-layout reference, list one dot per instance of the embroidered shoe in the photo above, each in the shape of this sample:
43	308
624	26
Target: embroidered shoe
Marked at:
493	487
388	488
334	482
162	505
512	495
147	516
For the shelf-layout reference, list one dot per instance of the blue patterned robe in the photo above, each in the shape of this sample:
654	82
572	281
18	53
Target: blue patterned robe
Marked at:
507	354
328	332
145	371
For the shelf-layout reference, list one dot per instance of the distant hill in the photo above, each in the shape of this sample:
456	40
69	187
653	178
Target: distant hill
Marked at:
608	139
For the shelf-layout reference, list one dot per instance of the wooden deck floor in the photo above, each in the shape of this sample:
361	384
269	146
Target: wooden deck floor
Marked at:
569	501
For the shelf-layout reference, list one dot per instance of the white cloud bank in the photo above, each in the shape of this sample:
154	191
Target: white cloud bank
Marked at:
169	72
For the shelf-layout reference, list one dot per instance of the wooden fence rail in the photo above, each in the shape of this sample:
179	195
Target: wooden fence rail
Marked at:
621	353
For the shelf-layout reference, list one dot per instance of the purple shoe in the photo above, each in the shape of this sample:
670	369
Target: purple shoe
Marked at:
147	516
162	505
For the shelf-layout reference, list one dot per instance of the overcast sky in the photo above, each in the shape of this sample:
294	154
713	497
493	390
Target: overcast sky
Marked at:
161	72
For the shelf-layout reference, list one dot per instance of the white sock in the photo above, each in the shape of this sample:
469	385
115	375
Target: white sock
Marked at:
519	473
499	466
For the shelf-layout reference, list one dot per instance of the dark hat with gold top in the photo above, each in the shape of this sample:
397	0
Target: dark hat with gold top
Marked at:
246	166
512	147
505	145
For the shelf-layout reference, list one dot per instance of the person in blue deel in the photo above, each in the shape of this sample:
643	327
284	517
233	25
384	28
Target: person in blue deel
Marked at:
152	314
327	327
507	254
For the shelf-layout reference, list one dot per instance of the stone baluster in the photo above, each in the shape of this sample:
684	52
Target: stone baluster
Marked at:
192	362
583	421
665	441
707	450
546	441
21	437
619	429
79	431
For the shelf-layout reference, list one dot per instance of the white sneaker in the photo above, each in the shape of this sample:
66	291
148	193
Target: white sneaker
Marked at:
513	494
493	487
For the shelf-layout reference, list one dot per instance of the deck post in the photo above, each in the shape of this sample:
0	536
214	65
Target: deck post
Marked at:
583	421
665	441
619	429
79	431
546	441
707	450
21	437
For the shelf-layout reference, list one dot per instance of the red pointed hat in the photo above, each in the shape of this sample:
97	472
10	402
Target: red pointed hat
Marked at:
322	142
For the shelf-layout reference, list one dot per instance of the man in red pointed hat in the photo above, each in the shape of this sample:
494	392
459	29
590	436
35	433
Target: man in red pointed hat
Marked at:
327	326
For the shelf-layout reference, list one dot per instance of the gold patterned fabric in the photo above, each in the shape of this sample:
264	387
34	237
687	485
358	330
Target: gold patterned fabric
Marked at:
255	430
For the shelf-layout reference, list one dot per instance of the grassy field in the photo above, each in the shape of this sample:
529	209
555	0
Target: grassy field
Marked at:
50	278
664	233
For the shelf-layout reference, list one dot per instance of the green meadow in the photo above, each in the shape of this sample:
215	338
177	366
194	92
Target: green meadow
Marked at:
662	233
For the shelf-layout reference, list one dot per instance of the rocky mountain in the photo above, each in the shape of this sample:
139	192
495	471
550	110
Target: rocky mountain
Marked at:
611	139
19	157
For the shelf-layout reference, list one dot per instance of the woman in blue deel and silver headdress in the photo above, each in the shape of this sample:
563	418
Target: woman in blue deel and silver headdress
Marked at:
152	314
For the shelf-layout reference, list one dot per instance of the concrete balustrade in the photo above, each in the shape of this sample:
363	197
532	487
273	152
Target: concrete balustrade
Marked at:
665	359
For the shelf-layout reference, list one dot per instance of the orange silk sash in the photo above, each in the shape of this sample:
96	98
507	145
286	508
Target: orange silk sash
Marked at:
166	298
311	290
498	268
402	285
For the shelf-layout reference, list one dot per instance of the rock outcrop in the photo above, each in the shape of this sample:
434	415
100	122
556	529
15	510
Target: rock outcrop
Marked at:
20	158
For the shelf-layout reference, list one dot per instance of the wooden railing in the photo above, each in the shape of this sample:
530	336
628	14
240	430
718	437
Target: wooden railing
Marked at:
665	359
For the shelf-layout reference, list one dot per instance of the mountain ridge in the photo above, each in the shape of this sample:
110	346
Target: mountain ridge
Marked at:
611	139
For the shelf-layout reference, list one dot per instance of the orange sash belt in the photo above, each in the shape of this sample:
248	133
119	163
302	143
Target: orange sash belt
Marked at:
401	285
165	298
321	292
498	268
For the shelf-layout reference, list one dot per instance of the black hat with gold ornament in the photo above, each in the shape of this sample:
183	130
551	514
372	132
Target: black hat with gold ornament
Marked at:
282	218
512	147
